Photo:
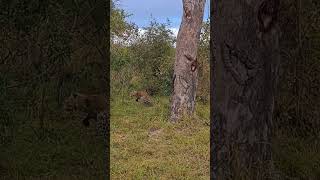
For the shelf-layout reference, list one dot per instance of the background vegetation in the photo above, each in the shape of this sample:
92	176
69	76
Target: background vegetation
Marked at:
48	50
144	144
297	116
145	60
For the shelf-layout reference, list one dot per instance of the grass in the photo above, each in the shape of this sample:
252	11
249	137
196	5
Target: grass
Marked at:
296	157
63	149
144	145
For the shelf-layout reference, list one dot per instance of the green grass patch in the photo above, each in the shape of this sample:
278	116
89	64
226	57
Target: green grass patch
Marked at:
296	157
144	145
63	149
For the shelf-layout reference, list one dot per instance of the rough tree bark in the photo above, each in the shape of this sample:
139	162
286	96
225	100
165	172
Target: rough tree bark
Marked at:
185	67
244	72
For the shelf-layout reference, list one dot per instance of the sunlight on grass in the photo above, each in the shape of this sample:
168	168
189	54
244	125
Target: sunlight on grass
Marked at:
144	145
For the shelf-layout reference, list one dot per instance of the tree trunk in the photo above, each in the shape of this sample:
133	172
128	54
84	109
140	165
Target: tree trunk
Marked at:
185	67
244	73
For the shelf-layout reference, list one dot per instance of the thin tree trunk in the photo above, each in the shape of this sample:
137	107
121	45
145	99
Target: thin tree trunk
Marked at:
185	68
244	72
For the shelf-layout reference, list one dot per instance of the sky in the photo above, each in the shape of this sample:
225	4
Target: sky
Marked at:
160	10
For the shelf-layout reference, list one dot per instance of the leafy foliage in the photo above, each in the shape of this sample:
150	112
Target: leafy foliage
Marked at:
154	57
203	92
145	62
143	58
